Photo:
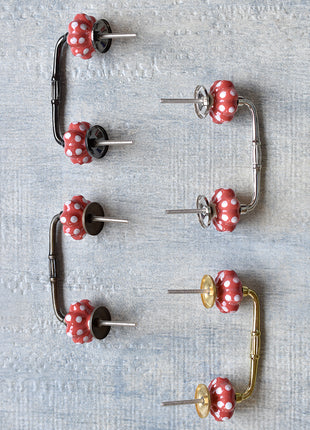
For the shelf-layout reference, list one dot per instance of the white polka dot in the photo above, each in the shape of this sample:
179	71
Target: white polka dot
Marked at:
219	390
83	26
78	319
63	219
233	201
74	24
228	297
220	404
237	298
236	280
82	127
78	55
224	303
227	387
77	231
78	138
231	109
219	195
224	204
86	51
68	230
85	159
232	93
223	94
85	339
69	153
73	40
221	108
79	332
234	219
78	151
220	226
82	307
217	414
225	309
219	84
222	274
228	406
67	135
224	217
68	317
73	219
81	40
69	334
68	203
226	283
77	206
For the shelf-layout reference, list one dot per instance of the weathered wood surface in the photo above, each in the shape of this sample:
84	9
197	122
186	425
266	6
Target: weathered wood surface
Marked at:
47	382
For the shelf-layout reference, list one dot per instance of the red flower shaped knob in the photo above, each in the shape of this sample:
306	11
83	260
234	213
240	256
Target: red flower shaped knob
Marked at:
80	216
85	322
221	102
223	399
80	36
77	320
72	217
227	209
85	35
228	291
74	139
225	101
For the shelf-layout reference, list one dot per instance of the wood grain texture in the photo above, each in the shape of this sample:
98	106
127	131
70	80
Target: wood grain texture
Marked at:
47	381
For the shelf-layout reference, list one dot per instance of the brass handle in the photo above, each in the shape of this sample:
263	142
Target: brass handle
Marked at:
254	347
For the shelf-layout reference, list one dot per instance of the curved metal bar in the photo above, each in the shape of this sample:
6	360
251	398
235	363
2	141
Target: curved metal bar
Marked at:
56	93
255	345
256	156
53	269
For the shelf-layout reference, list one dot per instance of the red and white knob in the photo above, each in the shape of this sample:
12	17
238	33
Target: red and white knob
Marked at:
221	102
86	35
80	216
222	399
219	399
226	291
223	210
84	322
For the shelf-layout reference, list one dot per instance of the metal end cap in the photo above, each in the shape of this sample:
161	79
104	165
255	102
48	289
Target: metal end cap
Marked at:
202	109
208	299
92	227
202	392
101	27
95	133
206	216
103	314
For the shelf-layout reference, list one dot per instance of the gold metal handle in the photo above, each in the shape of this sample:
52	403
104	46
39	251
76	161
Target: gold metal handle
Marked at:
255	345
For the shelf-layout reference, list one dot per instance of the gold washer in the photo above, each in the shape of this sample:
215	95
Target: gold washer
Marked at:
208	298
202	392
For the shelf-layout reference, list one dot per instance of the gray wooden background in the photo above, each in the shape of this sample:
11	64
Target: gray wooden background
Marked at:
47	382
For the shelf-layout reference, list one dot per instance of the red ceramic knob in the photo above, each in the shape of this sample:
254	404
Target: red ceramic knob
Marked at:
77	321
225	101
227	209
223	399
228	291
71	217
74	140
79	36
